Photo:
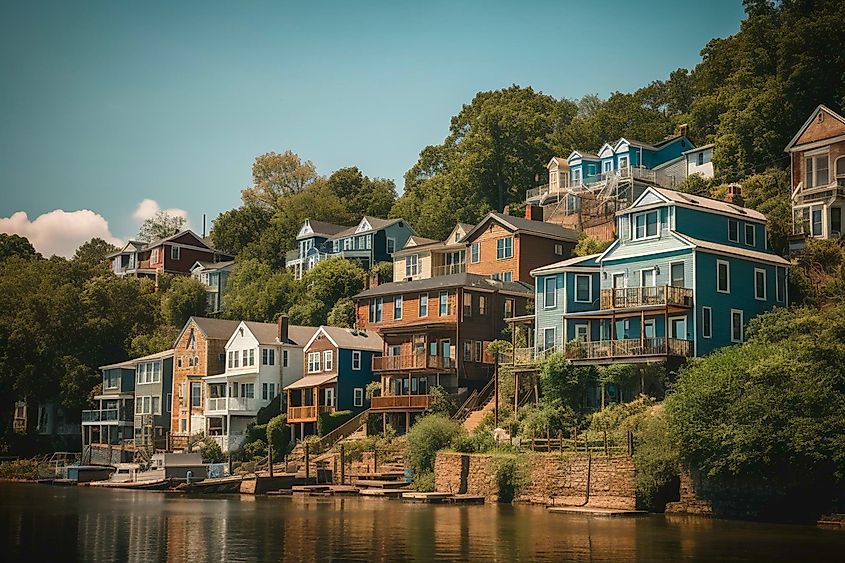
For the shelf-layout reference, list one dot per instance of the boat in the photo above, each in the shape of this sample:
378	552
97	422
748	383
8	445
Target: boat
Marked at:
221	485
151	485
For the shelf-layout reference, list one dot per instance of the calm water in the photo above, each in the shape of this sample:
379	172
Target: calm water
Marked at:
44	523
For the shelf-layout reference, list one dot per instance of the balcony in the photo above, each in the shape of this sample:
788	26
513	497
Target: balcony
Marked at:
541	191
626	297
106	415
529	356
448	269
823	193
630	349
221	405
401	402
291	256
412	361
308	413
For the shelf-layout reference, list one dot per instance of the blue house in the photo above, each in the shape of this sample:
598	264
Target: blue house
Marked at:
372	240
338	367
684	276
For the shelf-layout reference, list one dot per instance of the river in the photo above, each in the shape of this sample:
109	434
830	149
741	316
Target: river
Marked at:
44	523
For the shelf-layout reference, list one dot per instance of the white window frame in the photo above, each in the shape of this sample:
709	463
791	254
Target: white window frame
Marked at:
549	303
559	249
423	310
398	305
284	358
617	275
586	327
653	277
589	286
646	236
780	290
741	325
753	234
390	242
728	276
672	266
812	171
358	397
328	360
765	283
412	265
475	253
356	360
732	222
175	252
706	322
651	322
443	304
313	362
686	327
554	337
626	164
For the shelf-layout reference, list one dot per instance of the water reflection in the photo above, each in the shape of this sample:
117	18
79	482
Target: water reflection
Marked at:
46	523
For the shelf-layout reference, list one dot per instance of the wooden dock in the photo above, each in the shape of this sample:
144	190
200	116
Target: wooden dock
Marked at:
442	498
600	512
383	493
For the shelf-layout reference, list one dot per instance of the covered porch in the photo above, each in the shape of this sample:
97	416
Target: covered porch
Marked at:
308	398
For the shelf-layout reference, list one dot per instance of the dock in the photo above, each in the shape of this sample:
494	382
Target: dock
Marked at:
442	498
594	511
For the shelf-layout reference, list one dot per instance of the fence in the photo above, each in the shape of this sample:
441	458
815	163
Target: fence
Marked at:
585	442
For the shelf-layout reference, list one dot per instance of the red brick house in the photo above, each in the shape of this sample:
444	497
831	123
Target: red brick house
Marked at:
176	254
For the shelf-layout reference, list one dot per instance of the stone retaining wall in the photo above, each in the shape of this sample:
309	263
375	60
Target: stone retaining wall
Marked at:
554	478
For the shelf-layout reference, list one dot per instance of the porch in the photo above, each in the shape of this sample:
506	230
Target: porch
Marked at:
235	395
411	392
310	397
627	297
634	350
428	348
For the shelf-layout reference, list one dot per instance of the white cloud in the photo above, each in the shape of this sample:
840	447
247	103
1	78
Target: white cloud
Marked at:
59	232
149	207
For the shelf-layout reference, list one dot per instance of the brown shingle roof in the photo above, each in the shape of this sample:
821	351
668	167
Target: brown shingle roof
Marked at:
215	329
266	333
540	228
442	282
350	339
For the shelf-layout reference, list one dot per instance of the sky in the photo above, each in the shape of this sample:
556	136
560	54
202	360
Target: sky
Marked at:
110	111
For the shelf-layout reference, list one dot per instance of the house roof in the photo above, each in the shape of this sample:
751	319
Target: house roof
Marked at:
559	160
323	228
375	222
736	251
215	329
698	201
699	149
266	333
583	155
313	380
476	281
135	361
633	142
350	339
821	107
575	262
161	241
520	224
206	265
135	244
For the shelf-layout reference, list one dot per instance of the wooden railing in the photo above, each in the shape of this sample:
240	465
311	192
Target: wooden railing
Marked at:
307	413
412	361
448	269
392	402
630	348
623	297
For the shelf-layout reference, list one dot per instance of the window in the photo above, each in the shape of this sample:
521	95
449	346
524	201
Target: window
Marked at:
475	253
623	162
268	391
749	234
733	230
412	265
816	222
504	248
268	357
507	276
780	285
549	338
816	172
706	322
369	242
391	245
147	405
467	305
559	249
397	307
700	161
328	360
248	390
678	274
508	308
175	253
156	405
467	350
356	360
736	325
840	169
723	276
139	405
645	225
183	424
313	362
347	243
550	292
648	328
252	356
583	288
482	305
836	217
358	397
264	391
229	363
444	303
618	280
237	358
479	351
759	284
284	358
582	332
376	306
196	394
423	304
647	278
111	380
179	362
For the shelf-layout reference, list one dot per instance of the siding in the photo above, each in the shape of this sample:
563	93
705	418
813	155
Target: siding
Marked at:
714	227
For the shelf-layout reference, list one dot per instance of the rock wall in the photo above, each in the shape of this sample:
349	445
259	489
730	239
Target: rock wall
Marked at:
553	478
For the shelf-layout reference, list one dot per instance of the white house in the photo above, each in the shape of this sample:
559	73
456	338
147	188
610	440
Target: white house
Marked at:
700	161
261	359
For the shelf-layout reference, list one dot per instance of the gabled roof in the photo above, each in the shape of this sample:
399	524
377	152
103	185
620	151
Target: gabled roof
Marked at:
375	223
131	246
416	240
199	239
135	361
313	380
736	251
212	329
471	281
699	149
522	225
266	333
206	265
576	262
632	142
698	202
584	155
349	339
559	160
319	228
820	107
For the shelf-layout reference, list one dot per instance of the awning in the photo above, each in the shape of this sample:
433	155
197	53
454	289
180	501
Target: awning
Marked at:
314	380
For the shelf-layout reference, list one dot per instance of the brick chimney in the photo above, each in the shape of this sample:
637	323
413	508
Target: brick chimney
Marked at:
734	195
373	281
683	129
533	212
282	323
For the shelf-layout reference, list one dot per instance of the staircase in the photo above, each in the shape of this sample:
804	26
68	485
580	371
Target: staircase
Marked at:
477	416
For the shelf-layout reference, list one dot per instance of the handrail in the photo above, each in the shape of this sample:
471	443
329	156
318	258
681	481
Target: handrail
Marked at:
344	430
480	398
622	297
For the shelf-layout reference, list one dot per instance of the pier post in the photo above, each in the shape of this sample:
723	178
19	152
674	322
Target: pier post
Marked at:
342	464
307	464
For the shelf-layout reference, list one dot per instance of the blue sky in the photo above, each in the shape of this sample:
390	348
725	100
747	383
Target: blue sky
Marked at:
105	104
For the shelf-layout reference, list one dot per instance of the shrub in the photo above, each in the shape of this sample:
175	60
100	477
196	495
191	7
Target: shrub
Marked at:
255	450
328	421
441	402
269	411
211	451
657	461
278	434
430	434
24	469
479	441
511	476
424	482
547	416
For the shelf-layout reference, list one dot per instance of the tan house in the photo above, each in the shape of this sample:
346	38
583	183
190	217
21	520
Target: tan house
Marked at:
817	168
507	248
199	351
422	258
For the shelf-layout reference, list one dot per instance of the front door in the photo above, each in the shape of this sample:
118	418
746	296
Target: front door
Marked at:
678	328
328	396
648	328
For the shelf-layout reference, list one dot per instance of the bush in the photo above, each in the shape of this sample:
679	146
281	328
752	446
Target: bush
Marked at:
441	402
511	476
211	451
547	416
269	411
23	469
278	434
255	451
657	461
328	421
428	435
479	441
424	482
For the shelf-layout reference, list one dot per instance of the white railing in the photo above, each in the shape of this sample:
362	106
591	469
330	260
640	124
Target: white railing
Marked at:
223	404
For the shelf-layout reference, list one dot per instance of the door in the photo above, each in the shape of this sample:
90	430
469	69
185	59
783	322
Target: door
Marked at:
647	278
445	346
678	274
329	397
648	328
678	328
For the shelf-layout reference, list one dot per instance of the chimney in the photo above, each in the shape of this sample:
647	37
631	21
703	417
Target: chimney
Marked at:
683	129
282	322
374	281
734	195
533	212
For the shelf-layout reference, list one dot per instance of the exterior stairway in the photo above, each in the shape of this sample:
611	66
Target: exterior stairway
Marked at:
476	416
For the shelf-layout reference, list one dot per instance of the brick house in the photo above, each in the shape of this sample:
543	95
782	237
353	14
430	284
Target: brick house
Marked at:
199	351
508	248
176	254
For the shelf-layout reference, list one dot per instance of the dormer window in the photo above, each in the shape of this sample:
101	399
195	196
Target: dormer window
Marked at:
645	225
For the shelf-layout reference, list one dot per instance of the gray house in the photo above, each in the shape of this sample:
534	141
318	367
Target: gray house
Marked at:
153	399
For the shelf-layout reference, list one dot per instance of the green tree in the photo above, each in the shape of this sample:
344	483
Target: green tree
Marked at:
159	226
234	230
186	297
259	293
342	314
16	245
588	245
565	382
325	284
275	176
362	195
93	253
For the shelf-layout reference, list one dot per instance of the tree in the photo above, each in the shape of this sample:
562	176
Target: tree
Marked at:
565	382
588	245
275	176
259	293
362	195
186	297
342	313
160	226
234	230
325	284
93	253
16	245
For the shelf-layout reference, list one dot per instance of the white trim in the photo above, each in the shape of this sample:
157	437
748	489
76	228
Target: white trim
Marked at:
358	354
820	107
584	324
737	230
546	280
728	276
741	325
708	316
575	288
753	234
657	223
358	397
686	326
653	277
554	336
319	331
765	283
328	360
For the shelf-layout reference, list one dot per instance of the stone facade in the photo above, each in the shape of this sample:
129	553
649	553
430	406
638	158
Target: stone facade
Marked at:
554	479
